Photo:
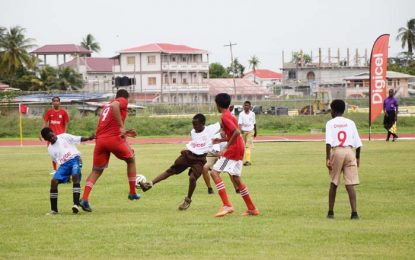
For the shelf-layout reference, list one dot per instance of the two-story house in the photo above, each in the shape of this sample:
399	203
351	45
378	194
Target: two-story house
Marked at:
173	73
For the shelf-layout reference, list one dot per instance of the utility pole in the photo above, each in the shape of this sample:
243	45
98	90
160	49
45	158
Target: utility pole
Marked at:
232	66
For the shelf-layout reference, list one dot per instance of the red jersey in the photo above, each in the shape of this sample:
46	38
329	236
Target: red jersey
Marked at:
235	150
107	125
57	120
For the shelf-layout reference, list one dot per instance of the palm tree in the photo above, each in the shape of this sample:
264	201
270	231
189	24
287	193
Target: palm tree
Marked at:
253	63
14	51
407	36
90	43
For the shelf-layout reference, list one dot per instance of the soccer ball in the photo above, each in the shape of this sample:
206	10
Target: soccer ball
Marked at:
138	179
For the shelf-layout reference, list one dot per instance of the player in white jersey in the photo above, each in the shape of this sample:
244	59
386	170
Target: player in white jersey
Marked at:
211	158
194	157
63	151
247	124
341	138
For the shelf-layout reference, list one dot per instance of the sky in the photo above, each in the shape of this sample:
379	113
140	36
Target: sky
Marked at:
264	28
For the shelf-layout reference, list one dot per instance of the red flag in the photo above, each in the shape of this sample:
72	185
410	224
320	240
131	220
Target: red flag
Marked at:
377	76
23	108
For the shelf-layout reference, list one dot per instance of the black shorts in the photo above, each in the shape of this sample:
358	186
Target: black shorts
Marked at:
389	119
188	159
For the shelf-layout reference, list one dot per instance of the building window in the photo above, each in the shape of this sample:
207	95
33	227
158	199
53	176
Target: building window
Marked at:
173	58
184	59
398	82
311	76
174	80
151	81
389	82
184	81
151	59
292	74
130	60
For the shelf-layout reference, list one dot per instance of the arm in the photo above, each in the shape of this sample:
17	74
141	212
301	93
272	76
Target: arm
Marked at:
116	112
66	122
328	163
235	134
254	130
84	139
358	156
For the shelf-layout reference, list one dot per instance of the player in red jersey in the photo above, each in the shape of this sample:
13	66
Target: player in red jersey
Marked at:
111	138
231	159
57	119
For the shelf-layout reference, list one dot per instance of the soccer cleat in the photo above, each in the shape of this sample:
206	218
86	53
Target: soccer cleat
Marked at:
247	163
185	204
225	210
134	196
395	138
52	213
75	209
251	212
145	186
330	214
354	215
85	206
210	191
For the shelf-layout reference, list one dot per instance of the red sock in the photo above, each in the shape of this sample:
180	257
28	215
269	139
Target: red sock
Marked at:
131	182
222	192
54	165
88	187
245	195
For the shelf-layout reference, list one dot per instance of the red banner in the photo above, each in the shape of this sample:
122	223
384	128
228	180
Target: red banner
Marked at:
377	76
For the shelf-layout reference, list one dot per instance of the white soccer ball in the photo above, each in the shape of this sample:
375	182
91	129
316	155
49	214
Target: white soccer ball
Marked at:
138	179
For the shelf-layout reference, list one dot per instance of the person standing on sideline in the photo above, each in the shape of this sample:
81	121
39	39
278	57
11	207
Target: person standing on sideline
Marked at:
57	119
231	159
390	109
341	138
247	124
62	149
111	139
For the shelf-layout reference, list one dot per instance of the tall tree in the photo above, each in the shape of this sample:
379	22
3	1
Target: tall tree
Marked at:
90	43
14	52
407	37
253	63
216	70
236	69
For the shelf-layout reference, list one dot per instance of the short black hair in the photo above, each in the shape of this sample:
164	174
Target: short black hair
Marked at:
247	102
200	118
122	93
56	97
45	132
223	100
338	106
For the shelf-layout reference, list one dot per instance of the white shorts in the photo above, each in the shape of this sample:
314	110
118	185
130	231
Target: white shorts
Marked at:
230	166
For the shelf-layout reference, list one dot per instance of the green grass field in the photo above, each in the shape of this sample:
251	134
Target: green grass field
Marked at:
288	182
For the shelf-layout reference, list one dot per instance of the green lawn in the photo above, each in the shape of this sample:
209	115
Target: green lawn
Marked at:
288	182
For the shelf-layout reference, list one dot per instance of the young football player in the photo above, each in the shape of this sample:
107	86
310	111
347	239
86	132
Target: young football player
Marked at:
247	124
194	157
341	138
63	151
231	159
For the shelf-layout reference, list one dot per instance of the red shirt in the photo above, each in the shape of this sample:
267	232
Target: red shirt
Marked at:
235	150
107	125
57	120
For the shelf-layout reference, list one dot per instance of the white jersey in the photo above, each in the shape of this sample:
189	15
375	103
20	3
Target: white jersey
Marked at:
201	143
217	147
64	148
246	121
341	131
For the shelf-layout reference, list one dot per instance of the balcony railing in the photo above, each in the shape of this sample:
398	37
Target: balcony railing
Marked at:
201	66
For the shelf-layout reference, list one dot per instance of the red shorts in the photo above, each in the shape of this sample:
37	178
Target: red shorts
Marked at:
115	145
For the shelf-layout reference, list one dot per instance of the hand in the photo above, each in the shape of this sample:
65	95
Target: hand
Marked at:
122	131
358	162
131	133
255	134
92	137
328	164
221	153
216	140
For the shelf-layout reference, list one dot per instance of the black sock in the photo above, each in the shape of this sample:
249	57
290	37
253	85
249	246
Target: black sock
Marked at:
76	190
53	200
330	212
354	214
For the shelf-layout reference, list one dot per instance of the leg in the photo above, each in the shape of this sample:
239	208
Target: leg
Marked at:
206	177
76	192
90	181
332	199
252	211
235	185
221	188
54	196
352	197
192	185
132	175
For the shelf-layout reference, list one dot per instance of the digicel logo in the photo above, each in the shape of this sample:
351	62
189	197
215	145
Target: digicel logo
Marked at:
379	81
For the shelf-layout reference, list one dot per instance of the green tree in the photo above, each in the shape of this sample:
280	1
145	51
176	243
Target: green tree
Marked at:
68	78
300	58
216	70
407	36
14	52
253	63
90	43
236	69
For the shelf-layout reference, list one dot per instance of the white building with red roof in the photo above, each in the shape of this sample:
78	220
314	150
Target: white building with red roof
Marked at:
264	77
59	50
239	89
96	72
174	73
